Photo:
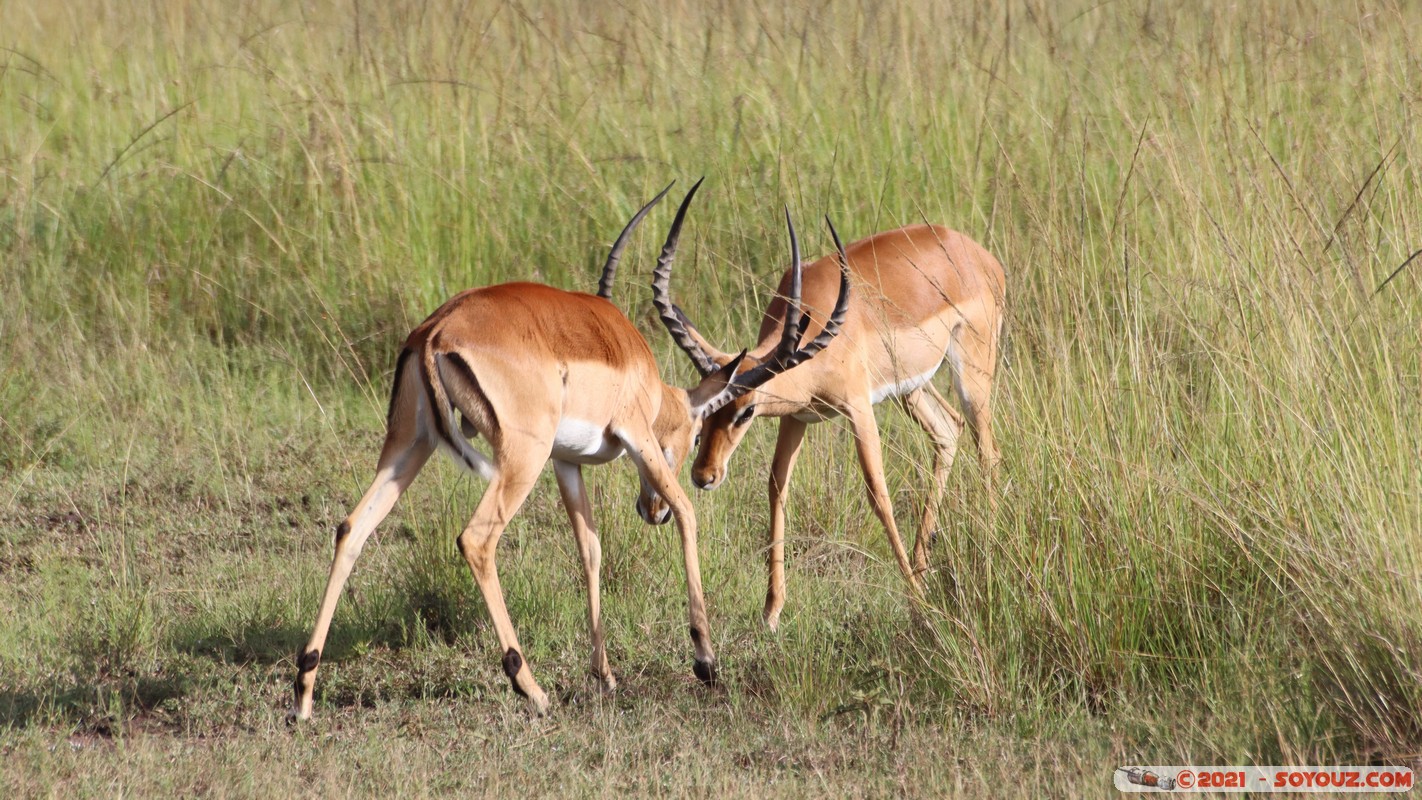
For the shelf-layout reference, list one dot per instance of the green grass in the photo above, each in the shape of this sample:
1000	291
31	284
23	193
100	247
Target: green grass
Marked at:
218	221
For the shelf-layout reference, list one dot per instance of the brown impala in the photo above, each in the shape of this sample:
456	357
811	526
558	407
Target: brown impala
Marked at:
541	374
923	295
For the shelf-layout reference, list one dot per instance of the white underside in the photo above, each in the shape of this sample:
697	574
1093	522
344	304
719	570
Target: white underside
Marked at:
576	441
583	442
902	387
811	417
885	392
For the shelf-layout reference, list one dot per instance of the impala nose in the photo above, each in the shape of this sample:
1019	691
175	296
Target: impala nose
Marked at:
706	481
662	514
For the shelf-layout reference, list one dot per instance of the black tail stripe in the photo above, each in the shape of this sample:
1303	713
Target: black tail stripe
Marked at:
395	385
441	423
467	373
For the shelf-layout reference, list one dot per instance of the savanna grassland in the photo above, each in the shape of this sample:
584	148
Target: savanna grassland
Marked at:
219	220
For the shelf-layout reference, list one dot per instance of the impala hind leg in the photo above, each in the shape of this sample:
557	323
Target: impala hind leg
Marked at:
787	450
871	461
405	452
943	426
575	500
974	357
643	448
517	472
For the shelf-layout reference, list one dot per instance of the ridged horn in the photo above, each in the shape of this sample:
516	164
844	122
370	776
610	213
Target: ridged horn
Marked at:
609	270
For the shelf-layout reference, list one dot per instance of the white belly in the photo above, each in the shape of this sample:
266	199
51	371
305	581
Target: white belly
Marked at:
585	443
902	387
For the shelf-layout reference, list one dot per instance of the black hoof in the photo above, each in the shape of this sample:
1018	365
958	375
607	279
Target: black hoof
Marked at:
705	672
513	662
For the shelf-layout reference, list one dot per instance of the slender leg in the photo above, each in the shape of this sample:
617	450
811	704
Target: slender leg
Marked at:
943	425
575	500
978	357
866	442
642	447
400	462
518	469
787	450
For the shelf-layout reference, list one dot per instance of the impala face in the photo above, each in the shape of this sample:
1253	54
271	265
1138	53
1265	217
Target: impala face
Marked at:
651	507
727	412
721	434
677	429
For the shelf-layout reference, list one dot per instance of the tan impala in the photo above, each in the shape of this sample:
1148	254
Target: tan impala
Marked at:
923	295
541	374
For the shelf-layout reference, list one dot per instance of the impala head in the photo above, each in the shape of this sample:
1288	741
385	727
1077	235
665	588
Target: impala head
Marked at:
675	429
651	507
678	422
726	400
678	428
721	434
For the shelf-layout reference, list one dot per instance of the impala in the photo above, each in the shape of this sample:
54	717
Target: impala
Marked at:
923	294
541	374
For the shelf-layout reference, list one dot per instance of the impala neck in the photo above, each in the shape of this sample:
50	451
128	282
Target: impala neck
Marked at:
675	411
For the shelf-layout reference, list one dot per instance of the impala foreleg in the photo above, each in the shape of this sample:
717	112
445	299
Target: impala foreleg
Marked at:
787	450
575	500
643	449
399	464
871	461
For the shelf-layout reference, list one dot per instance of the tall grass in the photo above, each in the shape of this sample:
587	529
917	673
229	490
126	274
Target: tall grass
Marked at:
218	222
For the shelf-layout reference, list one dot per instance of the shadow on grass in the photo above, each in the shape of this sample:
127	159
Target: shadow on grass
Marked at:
413	611
257	642
99	706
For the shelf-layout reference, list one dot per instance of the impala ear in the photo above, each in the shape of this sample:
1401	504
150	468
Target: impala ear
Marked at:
716	389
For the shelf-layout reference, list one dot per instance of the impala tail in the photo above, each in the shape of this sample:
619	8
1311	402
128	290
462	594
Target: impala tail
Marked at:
451	391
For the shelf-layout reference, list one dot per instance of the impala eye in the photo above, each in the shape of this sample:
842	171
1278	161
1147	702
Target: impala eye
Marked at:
697	441
745	416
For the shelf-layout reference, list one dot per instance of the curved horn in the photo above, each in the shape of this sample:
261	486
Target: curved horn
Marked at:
609	270
841	303
791	332
672	317
783	359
